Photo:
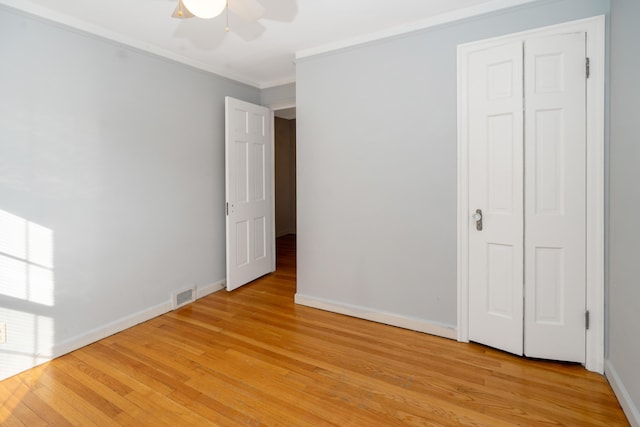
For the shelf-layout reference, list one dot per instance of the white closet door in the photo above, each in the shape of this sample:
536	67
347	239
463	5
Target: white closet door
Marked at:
496	188
555	197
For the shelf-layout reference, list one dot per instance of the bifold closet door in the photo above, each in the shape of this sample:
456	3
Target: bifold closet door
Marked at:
527	201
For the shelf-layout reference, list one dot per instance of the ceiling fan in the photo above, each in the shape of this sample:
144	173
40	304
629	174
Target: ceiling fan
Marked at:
248	10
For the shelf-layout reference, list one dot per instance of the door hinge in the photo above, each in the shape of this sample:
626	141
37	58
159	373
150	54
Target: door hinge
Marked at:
588	67
586	319
226	208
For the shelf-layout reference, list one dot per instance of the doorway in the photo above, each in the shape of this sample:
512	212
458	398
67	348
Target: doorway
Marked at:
284	125
514	275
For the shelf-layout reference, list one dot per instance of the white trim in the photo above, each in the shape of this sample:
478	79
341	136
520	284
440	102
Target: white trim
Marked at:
126	322
595	29
595	195
275	83
273	190
283	105
109	329
203	291
104	331
630	409
441	19
71	23
462	246
392	319
279	105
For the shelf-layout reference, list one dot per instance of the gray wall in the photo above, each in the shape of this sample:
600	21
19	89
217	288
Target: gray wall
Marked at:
117	158
276	95
624	204
377	165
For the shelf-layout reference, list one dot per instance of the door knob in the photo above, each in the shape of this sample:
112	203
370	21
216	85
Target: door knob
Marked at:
477	217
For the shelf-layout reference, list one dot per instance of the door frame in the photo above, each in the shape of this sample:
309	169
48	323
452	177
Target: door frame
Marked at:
280	105
595	48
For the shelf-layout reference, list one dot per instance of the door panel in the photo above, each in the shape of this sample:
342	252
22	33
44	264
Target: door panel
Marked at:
248	160
258	175
241	173
496	187
500	280
549	286
555	197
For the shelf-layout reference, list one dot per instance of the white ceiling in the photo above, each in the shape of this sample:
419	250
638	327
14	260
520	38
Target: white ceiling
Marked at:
260	53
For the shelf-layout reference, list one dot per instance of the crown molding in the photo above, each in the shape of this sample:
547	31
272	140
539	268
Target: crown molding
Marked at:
399	30
72	24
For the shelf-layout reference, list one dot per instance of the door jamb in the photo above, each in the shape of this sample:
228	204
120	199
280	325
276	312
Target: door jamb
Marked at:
595	48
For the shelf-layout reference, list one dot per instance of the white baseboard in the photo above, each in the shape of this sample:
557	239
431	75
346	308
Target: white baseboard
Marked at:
104	331
209	289
126	322
109	329
629	408
392	319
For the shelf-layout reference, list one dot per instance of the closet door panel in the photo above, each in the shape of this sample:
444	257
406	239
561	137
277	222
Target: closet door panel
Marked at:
496	189
555	197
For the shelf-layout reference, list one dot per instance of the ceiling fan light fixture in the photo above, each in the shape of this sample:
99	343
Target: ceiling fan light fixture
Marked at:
181	11
205	9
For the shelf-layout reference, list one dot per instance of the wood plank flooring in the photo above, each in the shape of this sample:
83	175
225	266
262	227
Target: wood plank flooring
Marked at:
253	358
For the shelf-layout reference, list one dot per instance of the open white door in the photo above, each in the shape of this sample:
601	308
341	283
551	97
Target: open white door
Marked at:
249	192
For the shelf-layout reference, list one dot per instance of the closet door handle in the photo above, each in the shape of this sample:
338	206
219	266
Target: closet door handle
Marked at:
477	217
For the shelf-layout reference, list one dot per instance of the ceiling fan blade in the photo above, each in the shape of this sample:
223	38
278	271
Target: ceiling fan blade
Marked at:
248	10
181	12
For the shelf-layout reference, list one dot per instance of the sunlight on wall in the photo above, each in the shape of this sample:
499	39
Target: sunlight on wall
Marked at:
26	293
26	260
29	341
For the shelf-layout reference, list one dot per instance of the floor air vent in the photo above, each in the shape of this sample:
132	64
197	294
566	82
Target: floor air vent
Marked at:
183	297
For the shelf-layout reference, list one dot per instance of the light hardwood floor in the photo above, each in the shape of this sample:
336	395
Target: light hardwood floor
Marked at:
252	357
